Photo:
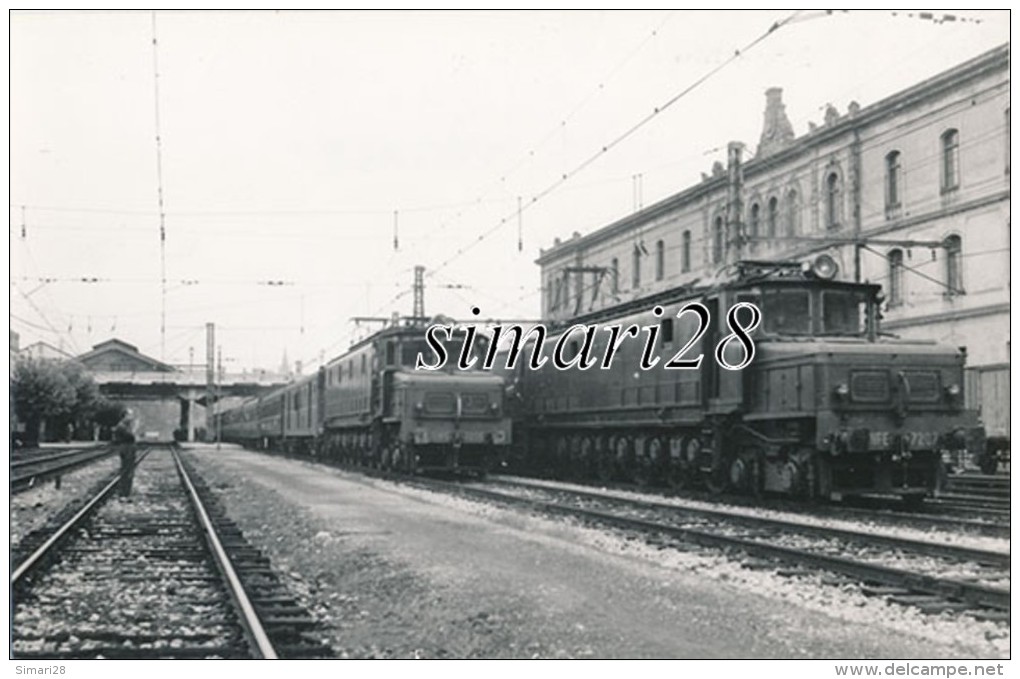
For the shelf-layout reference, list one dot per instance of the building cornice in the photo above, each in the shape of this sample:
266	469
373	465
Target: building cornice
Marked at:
991	61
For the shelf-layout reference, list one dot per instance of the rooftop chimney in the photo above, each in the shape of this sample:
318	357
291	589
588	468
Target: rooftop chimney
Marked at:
777	131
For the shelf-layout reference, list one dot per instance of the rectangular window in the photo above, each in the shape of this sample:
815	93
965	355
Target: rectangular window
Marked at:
666	331
950	160
637	268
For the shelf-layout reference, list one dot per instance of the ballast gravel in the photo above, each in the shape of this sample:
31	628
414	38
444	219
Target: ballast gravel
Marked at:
402	572
32	508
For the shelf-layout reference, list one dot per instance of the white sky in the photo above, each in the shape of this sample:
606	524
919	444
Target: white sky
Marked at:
290	138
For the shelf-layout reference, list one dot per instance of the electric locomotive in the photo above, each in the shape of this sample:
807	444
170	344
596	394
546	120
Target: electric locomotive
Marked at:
370	407
828	407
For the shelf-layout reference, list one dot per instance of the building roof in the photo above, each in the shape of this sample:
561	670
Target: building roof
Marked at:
118	355
997	58
45	351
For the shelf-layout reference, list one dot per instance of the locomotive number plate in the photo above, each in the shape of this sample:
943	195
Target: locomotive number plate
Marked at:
917	440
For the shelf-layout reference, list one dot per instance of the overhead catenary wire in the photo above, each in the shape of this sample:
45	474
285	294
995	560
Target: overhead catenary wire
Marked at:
620	138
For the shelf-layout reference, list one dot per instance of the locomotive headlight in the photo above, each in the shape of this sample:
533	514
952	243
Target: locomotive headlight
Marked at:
953	392
494	407
419	407
841	392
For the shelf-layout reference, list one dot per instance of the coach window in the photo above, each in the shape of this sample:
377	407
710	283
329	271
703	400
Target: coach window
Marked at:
895	277
391	353
950	160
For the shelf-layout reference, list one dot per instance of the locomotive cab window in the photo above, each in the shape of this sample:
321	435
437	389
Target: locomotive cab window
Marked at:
409	352
843	312
744	315
786	312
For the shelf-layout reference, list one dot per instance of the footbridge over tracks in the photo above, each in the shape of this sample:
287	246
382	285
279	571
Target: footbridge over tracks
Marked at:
169	401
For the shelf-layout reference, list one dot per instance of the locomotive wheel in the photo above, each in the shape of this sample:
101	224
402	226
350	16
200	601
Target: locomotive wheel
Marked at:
578	465
684	452
990	461
588	461
644	471
604	463
561	462
717	480
622	455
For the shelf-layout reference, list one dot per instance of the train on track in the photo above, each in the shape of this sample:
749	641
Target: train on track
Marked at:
370	407
829	407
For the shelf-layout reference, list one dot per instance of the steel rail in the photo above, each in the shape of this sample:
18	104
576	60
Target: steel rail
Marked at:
980	595
40	552
23	481
62	455
257	636
920	546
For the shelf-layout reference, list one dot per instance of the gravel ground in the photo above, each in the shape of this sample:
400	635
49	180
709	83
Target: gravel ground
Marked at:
33	508
935	534
401	573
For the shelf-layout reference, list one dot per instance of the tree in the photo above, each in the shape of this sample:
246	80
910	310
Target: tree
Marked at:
107	415
41	390
86	401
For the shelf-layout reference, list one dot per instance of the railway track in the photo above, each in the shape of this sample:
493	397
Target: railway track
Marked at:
930	516
28	471
161	573
975	494
931	576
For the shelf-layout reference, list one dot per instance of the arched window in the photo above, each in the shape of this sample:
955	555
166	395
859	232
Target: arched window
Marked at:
895	277
755	226
685	255
892	181
832	200
772	217
954	265
718	234
950	160
557	293
637	268
660	260
615	273
792	213
549	295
